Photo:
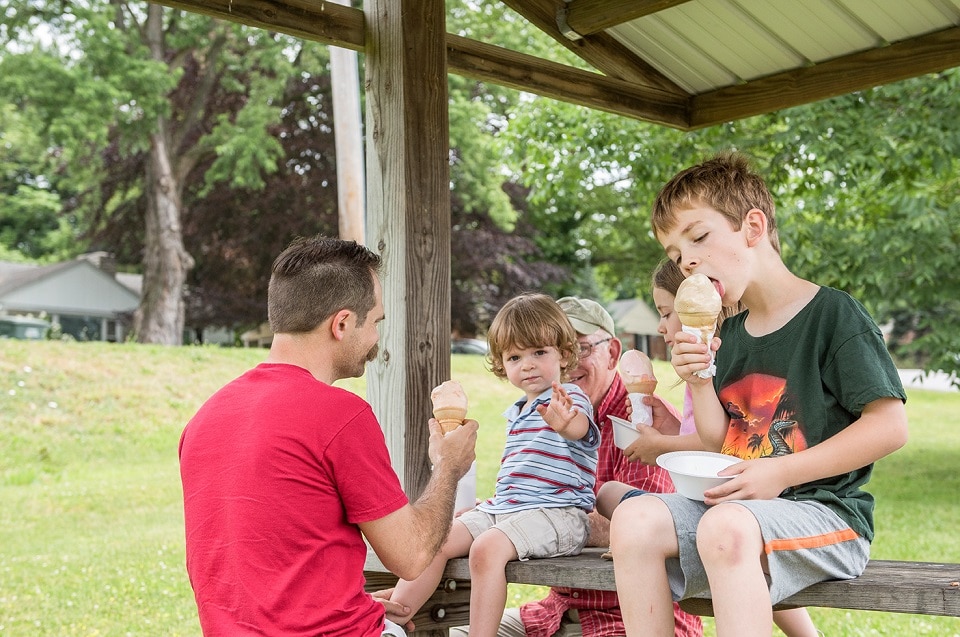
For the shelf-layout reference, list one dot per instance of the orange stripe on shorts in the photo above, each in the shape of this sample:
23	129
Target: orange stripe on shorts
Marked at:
812	542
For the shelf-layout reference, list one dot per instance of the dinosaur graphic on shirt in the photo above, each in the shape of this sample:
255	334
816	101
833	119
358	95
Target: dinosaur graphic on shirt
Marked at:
763	418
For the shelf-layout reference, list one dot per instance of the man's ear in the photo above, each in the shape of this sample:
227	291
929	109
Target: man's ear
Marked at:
755	224
616	348
339	323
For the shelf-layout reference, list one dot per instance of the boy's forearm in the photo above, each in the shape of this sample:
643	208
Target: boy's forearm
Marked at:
710	418
880	430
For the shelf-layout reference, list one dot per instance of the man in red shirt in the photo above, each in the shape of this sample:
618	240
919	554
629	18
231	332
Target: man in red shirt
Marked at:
285	475
568	612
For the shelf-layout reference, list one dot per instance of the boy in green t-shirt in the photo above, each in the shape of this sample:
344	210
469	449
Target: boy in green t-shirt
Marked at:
805	393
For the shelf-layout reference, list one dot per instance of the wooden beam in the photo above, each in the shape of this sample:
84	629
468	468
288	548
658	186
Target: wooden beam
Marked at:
592	16
926	54
489	63
316	20
330	23
601	51
408	207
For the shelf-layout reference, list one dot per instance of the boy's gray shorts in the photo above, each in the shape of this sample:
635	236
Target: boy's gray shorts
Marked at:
548	532
805	542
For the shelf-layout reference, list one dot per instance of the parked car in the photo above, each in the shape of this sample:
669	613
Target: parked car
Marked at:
24	327
468	346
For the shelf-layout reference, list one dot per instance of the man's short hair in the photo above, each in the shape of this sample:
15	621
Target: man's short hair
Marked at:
313	278
587	316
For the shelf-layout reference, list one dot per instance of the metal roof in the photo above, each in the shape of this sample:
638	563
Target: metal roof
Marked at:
728	59
681	63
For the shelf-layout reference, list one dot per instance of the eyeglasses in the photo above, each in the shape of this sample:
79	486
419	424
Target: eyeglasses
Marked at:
586	349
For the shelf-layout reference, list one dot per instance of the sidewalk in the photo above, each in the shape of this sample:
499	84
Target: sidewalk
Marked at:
915	379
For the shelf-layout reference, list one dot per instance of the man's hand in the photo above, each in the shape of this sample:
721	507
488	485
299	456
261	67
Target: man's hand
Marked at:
394	610
456	450
646	448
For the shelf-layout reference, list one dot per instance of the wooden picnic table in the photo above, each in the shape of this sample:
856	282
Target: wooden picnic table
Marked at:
922	588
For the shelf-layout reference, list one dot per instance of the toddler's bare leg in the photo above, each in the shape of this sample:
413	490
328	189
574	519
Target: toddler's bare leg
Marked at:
415	592
488	593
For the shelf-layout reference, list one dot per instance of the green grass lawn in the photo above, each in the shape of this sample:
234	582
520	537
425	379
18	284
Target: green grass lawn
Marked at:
91	535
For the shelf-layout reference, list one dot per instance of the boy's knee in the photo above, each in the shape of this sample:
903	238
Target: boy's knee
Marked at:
638	520
491	549
728	533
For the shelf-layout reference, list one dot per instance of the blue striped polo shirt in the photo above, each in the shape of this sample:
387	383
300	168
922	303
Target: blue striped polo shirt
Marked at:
540	468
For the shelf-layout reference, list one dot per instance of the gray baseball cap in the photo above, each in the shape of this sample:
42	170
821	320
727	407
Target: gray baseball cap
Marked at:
587	316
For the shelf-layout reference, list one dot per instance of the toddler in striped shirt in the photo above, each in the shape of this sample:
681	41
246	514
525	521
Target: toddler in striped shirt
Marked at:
544	488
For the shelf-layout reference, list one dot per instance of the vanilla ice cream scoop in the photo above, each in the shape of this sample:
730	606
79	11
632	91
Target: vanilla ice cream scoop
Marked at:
449	405
636	370
698	305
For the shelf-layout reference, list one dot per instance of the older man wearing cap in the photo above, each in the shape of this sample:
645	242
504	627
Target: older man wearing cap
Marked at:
569	611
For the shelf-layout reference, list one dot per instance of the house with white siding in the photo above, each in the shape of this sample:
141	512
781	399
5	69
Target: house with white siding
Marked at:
85	297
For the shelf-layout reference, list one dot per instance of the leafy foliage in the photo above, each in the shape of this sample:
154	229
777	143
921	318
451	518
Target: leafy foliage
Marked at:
545	195
865	185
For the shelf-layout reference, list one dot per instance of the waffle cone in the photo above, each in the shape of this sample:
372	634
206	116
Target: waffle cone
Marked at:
701	320
449	417
643	387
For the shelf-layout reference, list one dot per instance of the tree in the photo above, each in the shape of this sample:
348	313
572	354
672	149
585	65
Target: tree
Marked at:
147	85
865	186
234	232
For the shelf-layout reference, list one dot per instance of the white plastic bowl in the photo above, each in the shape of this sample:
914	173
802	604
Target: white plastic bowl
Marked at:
694	472
624	432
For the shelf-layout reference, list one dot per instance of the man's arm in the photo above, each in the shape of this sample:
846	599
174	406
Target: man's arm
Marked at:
407	540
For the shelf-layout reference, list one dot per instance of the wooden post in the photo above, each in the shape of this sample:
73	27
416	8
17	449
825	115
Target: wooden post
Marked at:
345	86
408	201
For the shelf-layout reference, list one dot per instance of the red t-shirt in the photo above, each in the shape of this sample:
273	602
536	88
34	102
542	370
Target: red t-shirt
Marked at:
278	469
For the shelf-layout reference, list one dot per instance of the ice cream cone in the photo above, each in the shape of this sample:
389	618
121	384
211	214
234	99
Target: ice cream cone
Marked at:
636	370
705	322
642	387
449	417
698	304
449	405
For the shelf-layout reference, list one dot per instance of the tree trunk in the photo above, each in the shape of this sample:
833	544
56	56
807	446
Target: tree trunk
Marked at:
160	317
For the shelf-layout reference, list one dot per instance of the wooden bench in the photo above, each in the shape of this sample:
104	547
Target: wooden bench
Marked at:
920	588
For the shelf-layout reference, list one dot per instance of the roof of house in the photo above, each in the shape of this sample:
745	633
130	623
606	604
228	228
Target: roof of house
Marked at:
71	287
634	316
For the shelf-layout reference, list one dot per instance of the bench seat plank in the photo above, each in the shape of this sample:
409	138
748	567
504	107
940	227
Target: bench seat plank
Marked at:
923	588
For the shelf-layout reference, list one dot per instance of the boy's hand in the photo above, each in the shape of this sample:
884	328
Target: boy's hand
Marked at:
561	415
759	479
690	356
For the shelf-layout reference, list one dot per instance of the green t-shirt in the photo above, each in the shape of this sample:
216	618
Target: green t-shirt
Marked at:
791	389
